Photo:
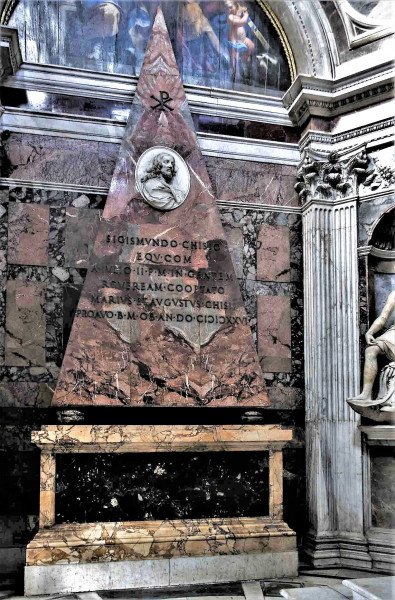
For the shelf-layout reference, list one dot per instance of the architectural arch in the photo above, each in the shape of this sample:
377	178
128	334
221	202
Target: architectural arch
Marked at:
310	36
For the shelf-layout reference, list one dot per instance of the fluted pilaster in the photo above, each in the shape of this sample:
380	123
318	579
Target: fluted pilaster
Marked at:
333	444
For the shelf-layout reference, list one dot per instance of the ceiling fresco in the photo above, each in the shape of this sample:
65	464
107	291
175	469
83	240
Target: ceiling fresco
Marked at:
217	43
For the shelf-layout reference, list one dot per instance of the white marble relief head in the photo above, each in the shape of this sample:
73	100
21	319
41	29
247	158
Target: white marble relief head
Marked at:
162	178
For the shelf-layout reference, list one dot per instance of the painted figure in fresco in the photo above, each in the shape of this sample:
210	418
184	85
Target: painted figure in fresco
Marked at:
238	41
102	23
138	30
384	345
196	31
156	183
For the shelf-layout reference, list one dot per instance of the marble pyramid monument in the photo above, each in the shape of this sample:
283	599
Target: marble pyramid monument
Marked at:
160	321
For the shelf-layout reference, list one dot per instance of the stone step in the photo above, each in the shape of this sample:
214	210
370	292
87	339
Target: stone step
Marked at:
335	592
371	588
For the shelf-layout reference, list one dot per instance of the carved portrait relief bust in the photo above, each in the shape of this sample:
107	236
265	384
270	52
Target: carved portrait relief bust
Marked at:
162	178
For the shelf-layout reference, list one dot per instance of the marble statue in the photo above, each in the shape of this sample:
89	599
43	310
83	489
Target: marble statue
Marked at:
163	178
383	407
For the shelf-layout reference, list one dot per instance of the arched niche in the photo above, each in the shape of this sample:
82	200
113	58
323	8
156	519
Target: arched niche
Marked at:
381	264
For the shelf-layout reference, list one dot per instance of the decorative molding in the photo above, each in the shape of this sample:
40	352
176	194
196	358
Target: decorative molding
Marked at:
382	548
53	186
312	96
121	88
36	122
337	549
360	29
251	149
326	202
339	138
7	11
73	82
376	195
306	96
379	434
259	207
11	57
87	189
309	44
112	131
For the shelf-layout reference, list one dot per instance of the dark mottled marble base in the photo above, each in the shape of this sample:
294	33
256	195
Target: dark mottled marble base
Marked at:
106	487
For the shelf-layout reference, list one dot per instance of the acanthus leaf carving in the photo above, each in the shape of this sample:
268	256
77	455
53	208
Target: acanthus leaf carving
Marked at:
335	179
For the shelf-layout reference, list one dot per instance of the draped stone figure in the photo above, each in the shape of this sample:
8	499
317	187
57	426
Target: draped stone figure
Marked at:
383	407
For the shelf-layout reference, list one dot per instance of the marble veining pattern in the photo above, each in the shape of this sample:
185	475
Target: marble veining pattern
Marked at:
159	438
91	542
107	542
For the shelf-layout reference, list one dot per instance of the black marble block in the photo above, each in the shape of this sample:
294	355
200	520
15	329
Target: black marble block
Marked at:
151	486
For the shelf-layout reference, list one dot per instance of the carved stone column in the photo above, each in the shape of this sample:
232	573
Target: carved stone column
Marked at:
333	441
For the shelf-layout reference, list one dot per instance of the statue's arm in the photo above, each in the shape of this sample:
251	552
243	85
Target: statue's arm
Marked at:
382	319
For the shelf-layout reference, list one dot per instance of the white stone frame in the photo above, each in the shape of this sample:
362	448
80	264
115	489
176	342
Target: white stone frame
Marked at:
353	20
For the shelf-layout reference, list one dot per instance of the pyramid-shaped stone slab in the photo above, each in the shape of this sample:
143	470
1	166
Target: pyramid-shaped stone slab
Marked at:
161	320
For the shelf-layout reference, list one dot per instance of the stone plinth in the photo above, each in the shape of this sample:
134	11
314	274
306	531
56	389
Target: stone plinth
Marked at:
159	573
144	540
257	546
379	495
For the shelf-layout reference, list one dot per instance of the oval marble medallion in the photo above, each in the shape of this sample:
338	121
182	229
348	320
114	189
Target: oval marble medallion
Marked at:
162	178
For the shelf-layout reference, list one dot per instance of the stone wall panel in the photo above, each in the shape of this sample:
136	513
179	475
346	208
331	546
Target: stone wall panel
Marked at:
25	323
274	333
273	253
81	228
28	229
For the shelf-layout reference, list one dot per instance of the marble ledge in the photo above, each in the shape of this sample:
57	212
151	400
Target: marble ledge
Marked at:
379	435
144	540
159	438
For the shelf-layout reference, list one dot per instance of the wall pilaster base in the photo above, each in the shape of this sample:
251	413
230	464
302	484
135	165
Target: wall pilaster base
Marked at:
337	550
382	549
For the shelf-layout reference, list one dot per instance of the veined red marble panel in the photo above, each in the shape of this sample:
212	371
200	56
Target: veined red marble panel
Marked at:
161	321
274	333
28	229
273	253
